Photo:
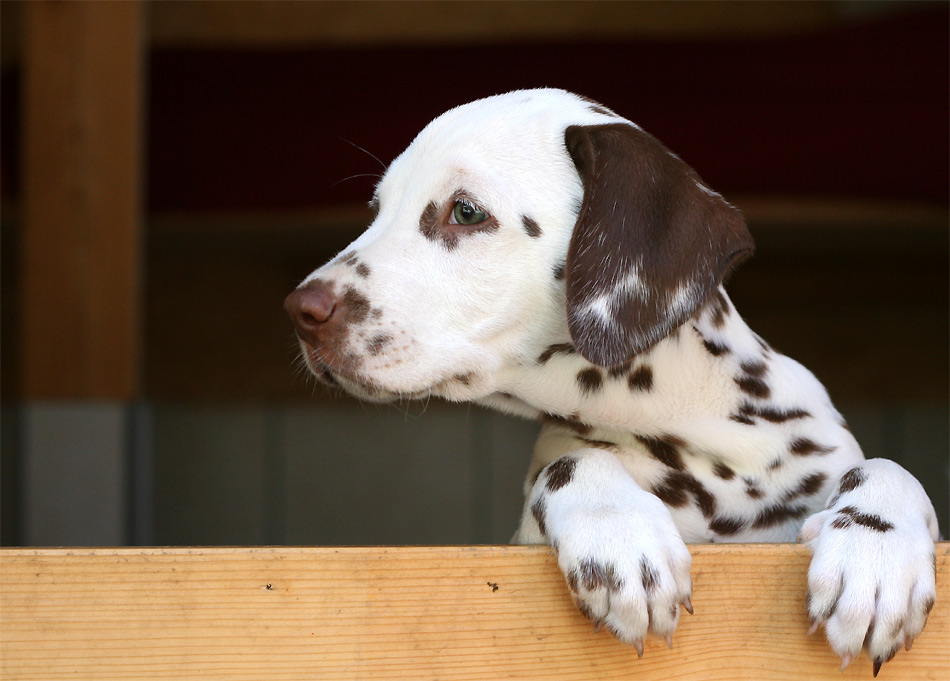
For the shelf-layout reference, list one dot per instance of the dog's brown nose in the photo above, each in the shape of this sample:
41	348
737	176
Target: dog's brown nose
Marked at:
310	307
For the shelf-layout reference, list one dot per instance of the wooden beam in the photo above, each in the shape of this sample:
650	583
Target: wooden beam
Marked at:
478	612
82	199
387	22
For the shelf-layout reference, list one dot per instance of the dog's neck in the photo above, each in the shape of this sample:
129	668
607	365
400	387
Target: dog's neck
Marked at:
679	379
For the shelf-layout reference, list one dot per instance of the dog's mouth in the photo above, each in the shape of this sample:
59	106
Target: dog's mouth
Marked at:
345	373
348	373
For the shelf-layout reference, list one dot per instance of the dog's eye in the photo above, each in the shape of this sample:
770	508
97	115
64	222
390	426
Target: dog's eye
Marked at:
465	213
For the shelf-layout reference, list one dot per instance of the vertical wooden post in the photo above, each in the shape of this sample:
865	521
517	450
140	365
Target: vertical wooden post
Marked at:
81	268
82	200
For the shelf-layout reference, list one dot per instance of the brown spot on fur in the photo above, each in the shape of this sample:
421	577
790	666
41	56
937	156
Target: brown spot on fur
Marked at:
560	473
678	486
537	510
530	226
749	412
715	349
558	348
571	422
723	471
743	419
602	444
726	527
649	576
809	485
754	386
777	514
670	494
362	270
641	379
572	580
378	343
428	222
593	575
849	516
464	379
704	500
665	449
356	305
754	368
803	447
590	380
719	307
851	480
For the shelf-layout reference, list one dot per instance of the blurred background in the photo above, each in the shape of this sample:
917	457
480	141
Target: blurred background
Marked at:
171	170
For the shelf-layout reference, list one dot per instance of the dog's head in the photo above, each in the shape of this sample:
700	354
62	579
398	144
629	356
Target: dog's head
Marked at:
508	225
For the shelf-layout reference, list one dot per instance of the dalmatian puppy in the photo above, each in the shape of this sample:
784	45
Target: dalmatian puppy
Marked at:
539	254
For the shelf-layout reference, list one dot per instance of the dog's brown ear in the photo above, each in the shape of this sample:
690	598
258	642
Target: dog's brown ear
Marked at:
650	245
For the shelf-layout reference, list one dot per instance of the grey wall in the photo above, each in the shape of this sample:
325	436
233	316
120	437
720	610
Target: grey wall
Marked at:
347	473
343	473
331	473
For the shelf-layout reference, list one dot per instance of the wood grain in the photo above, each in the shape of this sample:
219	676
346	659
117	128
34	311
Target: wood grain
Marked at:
458	613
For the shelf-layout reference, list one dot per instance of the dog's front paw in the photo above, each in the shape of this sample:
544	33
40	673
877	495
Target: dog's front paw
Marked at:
631	592
872	577
622	556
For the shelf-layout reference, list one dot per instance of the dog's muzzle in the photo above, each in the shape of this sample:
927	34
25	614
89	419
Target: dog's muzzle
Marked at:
319	319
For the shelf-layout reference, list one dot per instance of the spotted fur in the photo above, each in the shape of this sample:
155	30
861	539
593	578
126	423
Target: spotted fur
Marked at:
583	288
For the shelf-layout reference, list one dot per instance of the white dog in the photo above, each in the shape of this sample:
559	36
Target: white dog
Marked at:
537	253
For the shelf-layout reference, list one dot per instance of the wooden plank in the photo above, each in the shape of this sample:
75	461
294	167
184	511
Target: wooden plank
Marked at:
387	22
464	613
82	203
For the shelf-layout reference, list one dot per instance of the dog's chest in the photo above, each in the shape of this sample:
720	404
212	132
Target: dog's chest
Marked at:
710	500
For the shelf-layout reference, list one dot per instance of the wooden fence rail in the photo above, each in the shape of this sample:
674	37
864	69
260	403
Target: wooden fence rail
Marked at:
474	612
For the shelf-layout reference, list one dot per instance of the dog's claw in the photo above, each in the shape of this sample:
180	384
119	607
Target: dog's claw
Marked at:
877	666
814	627
669	641
845	661
908	643
688	604
638	644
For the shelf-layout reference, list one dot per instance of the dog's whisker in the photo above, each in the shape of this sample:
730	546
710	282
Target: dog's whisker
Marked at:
353	177
365	151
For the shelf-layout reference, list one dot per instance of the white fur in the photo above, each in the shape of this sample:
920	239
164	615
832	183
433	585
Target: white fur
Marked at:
470	322
872	591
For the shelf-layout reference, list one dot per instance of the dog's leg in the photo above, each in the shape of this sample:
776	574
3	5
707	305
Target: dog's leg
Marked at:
622	556
872	576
